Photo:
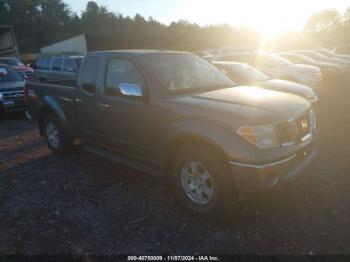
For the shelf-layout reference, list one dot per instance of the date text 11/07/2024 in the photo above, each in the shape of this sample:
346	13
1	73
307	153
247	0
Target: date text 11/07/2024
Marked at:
173	258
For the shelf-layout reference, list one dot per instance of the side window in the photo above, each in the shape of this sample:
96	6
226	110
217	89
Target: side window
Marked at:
43	63
88	75
68	65
57	64
121	71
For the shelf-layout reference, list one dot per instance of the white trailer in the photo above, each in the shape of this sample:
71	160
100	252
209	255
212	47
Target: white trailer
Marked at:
8	45
74	45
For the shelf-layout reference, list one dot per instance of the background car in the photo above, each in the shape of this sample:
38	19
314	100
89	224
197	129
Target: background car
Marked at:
243	74
11	90
342	50
19	66
330	54
57	67
278	67
330	71
322	58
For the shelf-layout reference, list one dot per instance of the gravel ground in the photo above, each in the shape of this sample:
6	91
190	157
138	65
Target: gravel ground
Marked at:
82	204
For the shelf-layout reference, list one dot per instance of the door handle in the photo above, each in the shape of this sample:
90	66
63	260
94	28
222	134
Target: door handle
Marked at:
104	107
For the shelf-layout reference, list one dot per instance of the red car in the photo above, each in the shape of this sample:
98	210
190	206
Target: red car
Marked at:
17	64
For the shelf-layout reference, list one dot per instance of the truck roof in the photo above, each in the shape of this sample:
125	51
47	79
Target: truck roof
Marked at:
140	52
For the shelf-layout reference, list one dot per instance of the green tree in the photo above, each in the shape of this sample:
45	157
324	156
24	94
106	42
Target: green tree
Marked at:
36	22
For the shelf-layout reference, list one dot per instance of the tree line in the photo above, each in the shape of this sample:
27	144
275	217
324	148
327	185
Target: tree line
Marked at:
39	23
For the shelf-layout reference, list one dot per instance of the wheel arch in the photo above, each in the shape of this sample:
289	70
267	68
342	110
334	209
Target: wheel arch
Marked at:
51	106
184	139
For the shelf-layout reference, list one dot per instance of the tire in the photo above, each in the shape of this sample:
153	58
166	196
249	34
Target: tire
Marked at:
56	138
218	203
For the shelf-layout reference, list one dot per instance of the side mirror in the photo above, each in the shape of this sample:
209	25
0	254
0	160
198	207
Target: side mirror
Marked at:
90	88
130	90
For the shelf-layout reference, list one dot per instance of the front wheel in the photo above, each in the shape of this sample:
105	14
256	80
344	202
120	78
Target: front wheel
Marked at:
58	141
203	183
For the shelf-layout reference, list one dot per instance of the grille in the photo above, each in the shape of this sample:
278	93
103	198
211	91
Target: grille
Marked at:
12	96
303	125
28	73
296	130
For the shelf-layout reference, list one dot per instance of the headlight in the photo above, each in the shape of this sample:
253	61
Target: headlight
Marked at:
263	137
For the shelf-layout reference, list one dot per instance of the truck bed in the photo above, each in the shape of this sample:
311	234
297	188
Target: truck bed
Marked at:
60	95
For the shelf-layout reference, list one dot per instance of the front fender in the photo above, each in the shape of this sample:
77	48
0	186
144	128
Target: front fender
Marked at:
215	133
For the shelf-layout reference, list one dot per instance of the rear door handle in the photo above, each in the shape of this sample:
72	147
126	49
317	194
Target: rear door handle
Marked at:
104	107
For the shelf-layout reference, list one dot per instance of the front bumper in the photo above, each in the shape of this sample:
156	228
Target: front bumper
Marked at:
12	106
251	179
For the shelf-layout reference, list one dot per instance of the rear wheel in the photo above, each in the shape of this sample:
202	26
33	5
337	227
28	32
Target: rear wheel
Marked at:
203	183
58	141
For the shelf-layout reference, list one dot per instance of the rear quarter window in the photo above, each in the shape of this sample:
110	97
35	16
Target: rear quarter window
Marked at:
89	71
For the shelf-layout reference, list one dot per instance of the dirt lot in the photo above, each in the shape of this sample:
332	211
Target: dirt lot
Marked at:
83	204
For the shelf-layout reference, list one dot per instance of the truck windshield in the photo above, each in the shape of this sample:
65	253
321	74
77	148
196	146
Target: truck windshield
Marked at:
247	73
11	61
7	74
178	73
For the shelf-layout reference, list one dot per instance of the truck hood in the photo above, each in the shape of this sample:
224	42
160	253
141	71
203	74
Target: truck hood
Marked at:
288	87
249	104
9	85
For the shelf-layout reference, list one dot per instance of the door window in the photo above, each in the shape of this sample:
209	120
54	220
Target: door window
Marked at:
121	71
43	63
57	64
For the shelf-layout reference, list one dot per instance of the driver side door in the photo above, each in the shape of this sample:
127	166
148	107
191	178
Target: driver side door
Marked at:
126	119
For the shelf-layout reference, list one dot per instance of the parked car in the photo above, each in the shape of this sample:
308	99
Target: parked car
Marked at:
322	58
330	71
175	115
244	74
278	67
342	50
330	54
57	67
11	90
18	66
